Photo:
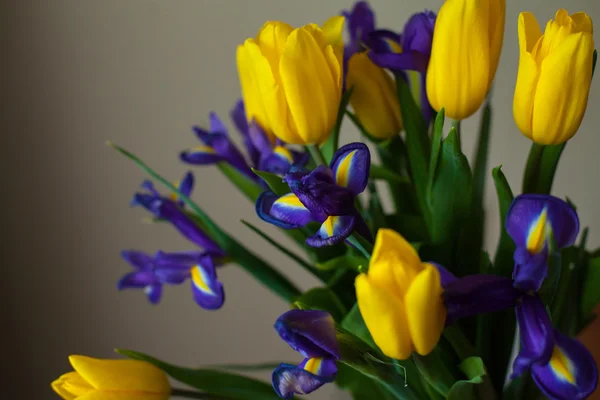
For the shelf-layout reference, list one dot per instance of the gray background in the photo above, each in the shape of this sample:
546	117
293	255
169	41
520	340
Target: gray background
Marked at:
141	73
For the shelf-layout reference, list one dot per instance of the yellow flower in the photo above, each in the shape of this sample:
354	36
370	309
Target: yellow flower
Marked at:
467	41
374	97
555	72
95	379
292	79
400	299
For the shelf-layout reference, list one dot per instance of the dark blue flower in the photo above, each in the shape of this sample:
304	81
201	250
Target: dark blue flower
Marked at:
312	333
326	195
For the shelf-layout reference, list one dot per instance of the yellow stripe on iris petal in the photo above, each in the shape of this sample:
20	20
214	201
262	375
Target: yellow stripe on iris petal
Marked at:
174	196
329	225
200	279
561	365
285	153
202	149
290	200
313	365
341	176
536	237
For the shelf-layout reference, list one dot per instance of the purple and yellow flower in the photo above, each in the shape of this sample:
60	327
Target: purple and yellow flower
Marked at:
265	152
312	333
561	367
534	222
326	195
151	273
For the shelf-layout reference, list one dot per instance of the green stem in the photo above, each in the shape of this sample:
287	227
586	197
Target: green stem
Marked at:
361	244
456	125
315	153
532	170
188	394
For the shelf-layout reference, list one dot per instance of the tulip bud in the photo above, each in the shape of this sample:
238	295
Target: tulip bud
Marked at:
99	379
555	73
374	98
467	40
292	79
400	299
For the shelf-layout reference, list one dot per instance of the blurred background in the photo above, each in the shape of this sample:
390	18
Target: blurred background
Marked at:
141	73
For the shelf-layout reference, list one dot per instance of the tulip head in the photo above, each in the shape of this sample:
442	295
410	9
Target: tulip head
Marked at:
124	379
292	79
467	41
400	298
555	72
374	97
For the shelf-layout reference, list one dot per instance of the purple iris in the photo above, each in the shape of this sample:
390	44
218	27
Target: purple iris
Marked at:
312	334
561	367
264	154
325	195
532	221
151	273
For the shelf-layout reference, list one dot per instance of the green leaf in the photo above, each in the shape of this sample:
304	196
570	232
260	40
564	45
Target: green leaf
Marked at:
308	267
377	218
324	299
590	294
246	185
480	171
275	182
360	386
266	366
435	370
417	142
468	389
254	265
542	163
450	199
503	262
353	322
436	146
331	145
381	173
214	382
595	58
412	227
345	261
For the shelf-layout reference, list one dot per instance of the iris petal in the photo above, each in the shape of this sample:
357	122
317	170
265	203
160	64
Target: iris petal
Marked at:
310	332
350	166
334	230
207	290
286	211
290	379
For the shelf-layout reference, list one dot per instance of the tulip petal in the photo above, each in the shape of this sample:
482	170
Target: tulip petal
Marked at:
121	375
207	290
458	76
289	380
558	113
535	330
496	21
425	309
334	230
394	257
571	372
532	218
351	165
311	92
384	315
312	333
102	395
70	386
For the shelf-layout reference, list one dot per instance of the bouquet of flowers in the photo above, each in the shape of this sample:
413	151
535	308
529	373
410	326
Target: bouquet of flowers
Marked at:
409	300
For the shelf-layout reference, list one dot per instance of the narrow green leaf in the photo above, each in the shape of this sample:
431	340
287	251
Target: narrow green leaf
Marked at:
480	171
220	383
469	389
590	294
345	261
376	215
503	262
324	299
451	192
266	366
435	371
381	173
542	163
246	185
275	182
417	142
331	145
353	322
436	146
308	267
254	265
595	58
360	386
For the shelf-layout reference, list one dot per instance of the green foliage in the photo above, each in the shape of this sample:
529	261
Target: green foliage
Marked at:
468	389
321	298
360	386
331	145
274	182
346	261
210	381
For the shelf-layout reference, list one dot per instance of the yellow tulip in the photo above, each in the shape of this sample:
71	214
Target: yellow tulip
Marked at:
292	79
374	97
95	379
467	41
555	73
400	298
